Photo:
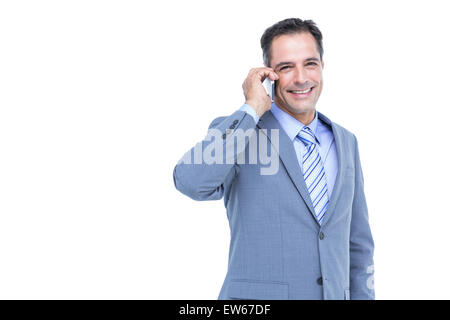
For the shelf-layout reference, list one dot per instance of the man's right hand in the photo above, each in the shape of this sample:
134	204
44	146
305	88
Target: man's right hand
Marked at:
254	92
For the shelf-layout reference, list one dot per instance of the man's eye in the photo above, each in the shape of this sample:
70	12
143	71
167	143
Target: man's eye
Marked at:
311	63
285	67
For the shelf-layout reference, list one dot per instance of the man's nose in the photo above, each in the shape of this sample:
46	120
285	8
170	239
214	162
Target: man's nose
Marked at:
300	76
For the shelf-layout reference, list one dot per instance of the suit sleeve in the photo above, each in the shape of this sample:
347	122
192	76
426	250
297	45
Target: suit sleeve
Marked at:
361	241
204	170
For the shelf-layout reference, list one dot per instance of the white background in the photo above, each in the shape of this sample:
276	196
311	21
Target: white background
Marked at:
100	99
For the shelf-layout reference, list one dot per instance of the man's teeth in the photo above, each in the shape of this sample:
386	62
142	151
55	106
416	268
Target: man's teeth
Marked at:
298	91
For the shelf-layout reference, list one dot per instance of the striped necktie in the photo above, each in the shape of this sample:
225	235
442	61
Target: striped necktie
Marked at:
314	173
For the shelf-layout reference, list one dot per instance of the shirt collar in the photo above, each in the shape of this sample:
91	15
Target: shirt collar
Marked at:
291	125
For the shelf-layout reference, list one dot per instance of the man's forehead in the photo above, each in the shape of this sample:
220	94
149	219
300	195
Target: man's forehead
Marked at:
297	46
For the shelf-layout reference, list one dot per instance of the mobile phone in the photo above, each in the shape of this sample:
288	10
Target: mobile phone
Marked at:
269	85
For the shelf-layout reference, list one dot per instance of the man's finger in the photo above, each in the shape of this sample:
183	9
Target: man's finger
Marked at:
266	72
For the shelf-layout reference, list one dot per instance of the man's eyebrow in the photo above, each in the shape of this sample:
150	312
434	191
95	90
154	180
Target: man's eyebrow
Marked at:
287	62
312	59
282	64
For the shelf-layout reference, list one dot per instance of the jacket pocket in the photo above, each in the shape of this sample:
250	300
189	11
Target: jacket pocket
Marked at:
256	290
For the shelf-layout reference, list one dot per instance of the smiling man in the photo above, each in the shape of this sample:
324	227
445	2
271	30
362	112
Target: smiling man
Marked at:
303	232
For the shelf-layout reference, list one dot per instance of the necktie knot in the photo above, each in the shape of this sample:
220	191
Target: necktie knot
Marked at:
307	136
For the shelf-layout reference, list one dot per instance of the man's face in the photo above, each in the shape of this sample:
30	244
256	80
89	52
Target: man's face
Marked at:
296	60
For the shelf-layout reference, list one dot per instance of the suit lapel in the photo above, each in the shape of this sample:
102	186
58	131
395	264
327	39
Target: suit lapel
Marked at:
289	158
338	140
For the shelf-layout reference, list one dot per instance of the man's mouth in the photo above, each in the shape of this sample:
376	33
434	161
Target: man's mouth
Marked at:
301	93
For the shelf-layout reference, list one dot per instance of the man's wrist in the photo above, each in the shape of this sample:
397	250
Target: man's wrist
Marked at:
254	106
250	111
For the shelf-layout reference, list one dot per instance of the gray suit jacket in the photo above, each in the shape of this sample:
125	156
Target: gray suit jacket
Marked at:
278	250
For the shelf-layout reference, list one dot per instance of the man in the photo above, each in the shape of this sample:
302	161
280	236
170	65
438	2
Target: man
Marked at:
303	231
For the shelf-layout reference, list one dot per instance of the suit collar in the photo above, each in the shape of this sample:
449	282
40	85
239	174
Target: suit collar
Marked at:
291	125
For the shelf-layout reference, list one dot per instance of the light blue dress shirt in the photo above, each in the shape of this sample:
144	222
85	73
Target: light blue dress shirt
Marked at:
324	137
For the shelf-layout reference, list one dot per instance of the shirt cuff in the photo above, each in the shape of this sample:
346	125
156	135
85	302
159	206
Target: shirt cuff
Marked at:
250	111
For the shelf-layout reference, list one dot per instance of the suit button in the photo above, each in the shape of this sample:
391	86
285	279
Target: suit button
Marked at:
235	122
224	136
232	126
320	281
321	235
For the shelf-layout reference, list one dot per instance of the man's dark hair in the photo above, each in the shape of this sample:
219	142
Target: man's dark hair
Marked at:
289	26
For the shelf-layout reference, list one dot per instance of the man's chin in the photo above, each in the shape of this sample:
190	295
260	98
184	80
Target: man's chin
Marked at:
298	110
295	108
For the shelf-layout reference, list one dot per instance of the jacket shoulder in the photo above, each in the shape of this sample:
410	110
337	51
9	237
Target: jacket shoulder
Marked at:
216	122
343	132
347	134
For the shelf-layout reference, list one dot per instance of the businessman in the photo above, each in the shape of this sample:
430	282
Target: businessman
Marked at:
302	231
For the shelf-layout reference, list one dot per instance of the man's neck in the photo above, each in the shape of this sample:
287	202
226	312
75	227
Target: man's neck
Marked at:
305	117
